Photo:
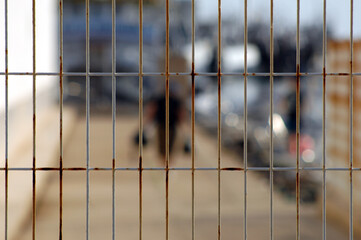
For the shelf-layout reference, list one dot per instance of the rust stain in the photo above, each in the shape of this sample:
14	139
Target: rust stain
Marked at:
6	192
167	122
298	112
61	199
167	201
339	74
47	169
232	169
99	169
298	70
324	78
350	169
298	194
87	9
6	69
140	163
61	169
34	201
75	169
61	96
140	195
61	66
61	124
351	66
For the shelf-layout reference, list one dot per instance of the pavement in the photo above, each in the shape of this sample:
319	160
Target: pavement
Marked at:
180	198
20	156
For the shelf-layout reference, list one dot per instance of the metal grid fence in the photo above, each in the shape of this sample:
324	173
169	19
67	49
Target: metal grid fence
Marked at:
167	74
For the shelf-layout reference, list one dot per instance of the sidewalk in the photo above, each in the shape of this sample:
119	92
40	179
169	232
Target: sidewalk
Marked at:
20	155
180	200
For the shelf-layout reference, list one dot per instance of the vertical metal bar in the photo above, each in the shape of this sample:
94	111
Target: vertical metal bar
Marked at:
193	118
271	119
245	118
6	122
61	120
219	118
351	122
298	121
324	49
140	119
114	105
34	122
87	66
167	122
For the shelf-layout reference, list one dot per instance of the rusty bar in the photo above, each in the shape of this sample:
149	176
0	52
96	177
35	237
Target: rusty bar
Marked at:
114	105
6	123
219	117
193	119
61	120
87	68
141	119
255	169
351	123
271	118
245	120
34	121
167	123
74	169
179	74
324	49
298	229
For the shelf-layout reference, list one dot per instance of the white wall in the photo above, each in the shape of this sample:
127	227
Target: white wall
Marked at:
20	48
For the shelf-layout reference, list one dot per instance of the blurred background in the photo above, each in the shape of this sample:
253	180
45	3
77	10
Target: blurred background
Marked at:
47	43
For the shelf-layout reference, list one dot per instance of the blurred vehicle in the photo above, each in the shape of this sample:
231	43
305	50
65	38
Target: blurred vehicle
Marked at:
258	103
232	107
285	155
232	59
258	131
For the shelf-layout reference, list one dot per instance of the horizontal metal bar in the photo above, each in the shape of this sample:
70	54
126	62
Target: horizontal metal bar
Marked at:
177	74
253	169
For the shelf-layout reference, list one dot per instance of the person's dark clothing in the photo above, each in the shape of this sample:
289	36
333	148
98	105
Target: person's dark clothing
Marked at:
174	119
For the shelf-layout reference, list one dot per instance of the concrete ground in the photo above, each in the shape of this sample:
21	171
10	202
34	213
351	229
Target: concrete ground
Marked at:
180	200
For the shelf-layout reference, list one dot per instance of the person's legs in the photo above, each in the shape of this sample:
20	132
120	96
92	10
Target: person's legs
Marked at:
162	140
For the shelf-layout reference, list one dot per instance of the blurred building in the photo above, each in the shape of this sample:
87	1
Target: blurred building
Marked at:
338	129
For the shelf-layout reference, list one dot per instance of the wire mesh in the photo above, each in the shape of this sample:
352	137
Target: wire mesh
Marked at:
298	169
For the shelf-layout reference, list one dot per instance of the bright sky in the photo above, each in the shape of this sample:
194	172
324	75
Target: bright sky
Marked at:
285	13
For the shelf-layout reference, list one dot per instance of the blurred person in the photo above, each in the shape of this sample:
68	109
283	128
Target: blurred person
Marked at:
291	119
155	114
291	107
